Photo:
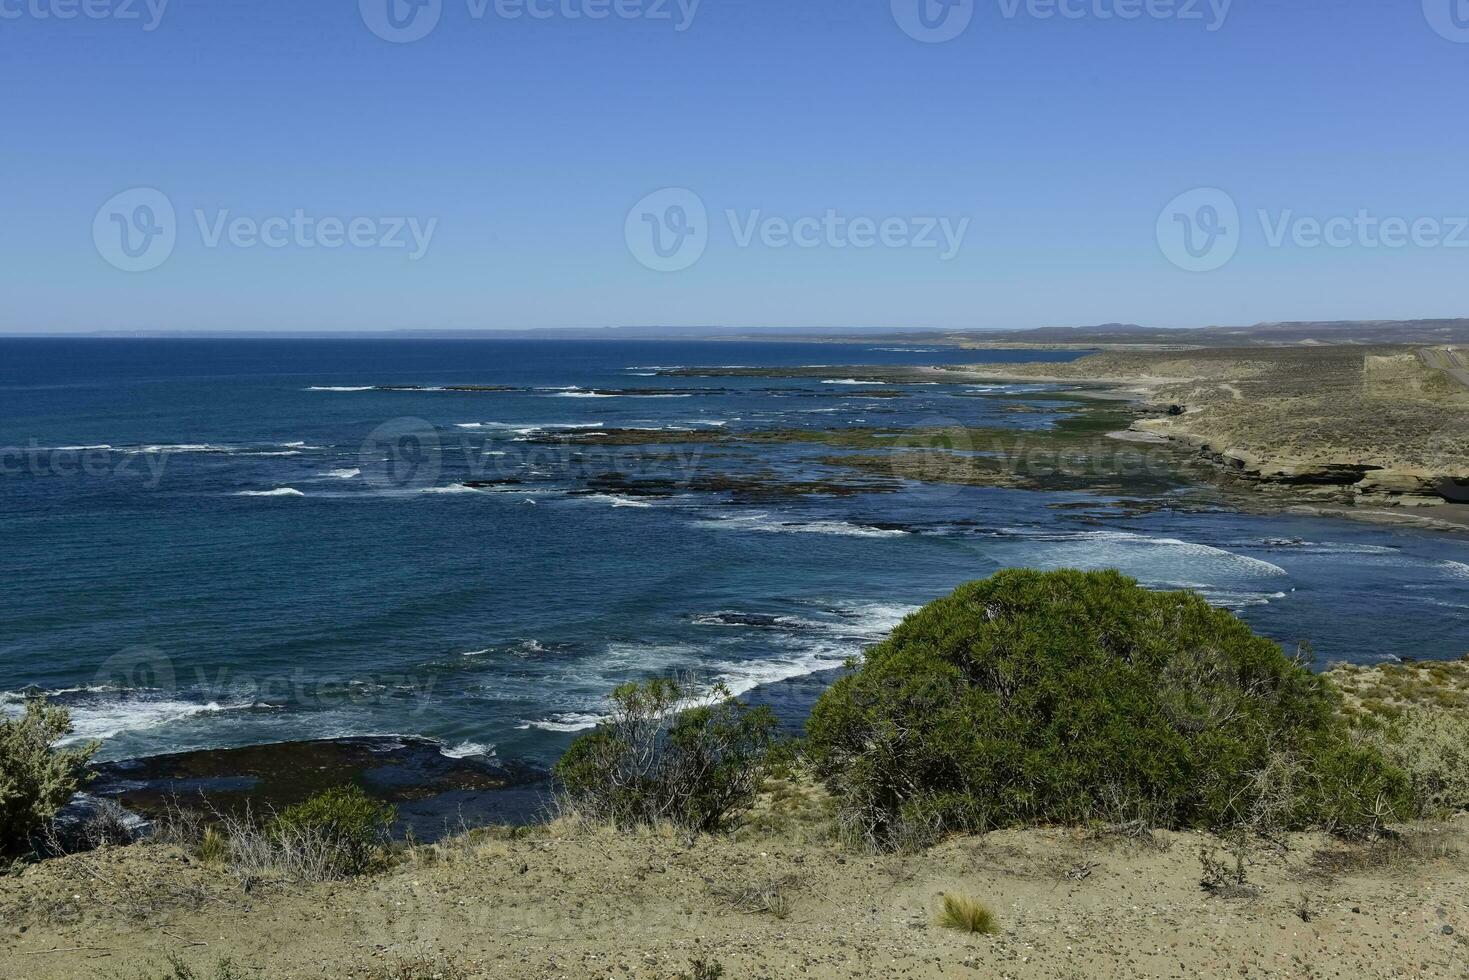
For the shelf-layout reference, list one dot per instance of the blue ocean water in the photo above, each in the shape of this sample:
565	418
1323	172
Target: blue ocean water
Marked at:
217	543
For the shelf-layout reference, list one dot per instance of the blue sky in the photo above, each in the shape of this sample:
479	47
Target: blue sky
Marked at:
519	147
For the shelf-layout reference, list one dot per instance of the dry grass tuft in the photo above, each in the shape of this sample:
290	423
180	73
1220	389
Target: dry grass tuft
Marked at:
1404	852
771	897
968	915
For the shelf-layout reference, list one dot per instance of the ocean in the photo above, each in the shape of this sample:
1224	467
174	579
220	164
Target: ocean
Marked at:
217	543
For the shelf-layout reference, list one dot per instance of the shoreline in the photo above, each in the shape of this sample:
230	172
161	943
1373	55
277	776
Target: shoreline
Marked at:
1186	408
1094	390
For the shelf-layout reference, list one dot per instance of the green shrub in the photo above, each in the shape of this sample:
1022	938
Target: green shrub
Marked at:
36	779
342	830
669	755
1070	696
1432	746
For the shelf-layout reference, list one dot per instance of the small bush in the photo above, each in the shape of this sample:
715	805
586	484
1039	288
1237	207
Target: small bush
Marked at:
1432	746
1068	696
967	915
1227	876
36	780
333	835
344	827
668	754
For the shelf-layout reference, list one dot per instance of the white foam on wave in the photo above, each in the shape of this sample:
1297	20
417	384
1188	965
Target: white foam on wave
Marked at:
218	449
108	719
566	721
185	448
808	646
851	381
1299	546
528	429
467	750
767	523
1455	568
346	474
342	388
20	697
619	656
743	676
862	625
731	619
277	492
1109	549
52	449
880	618
618	501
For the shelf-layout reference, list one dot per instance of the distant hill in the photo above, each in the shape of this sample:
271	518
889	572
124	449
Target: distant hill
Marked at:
1366	332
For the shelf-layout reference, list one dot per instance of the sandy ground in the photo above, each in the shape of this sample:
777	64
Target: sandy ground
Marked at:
578	904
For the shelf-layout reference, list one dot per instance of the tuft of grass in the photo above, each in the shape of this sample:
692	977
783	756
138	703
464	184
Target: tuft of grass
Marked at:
214	847
968	915
703	970
770	897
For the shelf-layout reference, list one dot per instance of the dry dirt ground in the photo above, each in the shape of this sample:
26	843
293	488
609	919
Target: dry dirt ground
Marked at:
561	902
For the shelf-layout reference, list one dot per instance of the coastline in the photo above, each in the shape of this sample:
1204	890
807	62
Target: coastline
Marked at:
1113	408
1240	409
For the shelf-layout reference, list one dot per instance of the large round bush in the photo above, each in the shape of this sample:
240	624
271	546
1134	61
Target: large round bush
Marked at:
1070	696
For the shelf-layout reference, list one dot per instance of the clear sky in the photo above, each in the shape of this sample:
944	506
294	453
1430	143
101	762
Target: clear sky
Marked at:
519	148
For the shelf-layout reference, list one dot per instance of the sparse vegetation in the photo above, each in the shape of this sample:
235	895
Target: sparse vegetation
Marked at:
336	834
1066	697
967	915
669	754
36	779
344	826
1432	746
177	968
770	897
421	967
1226	876
703	970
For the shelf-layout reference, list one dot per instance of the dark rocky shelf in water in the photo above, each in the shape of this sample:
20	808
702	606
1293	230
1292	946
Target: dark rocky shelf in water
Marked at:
433	793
